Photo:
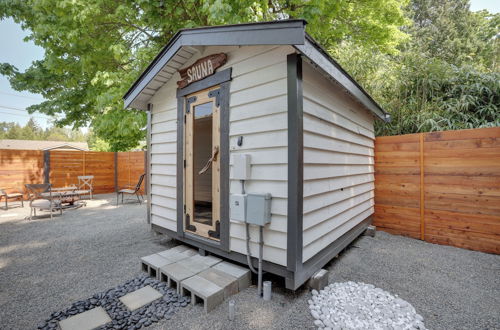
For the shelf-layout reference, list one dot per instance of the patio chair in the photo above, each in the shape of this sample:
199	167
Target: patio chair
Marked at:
131	190
85	185
13	195
40	197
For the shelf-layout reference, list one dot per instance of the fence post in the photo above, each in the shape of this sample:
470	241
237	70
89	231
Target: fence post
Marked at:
46	166
422	192
116	171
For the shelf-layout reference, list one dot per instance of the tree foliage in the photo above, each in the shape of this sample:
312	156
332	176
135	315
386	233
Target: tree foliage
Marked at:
431	64
95	49
444	77
32	131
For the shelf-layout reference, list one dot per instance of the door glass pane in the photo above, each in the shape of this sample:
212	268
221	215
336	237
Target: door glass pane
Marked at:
202	153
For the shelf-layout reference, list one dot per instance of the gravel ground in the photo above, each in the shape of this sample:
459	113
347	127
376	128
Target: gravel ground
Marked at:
45	265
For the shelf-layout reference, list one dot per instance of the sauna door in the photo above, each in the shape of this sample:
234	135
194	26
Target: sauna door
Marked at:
202	164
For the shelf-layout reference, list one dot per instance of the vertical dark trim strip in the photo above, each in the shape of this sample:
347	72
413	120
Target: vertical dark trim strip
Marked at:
46	166
180	166
147	163
116	171
295	163
224	95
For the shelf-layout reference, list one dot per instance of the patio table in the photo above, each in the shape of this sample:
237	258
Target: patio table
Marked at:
69	197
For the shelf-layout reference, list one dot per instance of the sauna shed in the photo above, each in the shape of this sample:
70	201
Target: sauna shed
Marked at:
256	124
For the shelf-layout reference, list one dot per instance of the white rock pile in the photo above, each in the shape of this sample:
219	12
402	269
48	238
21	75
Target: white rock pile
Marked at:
351	305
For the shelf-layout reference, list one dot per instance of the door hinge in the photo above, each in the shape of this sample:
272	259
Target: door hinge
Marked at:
184	119
184	163
184	208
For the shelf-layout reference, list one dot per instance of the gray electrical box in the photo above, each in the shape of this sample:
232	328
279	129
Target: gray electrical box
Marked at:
252	208
237	207
258	209
241	166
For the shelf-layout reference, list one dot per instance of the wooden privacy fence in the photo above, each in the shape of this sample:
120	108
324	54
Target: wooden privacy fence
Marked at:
62	167
441	187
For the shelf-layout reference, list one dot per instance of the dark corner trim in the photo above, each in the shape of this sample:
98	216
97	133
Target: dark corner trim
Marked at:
215	79
147	165
223	79
295	162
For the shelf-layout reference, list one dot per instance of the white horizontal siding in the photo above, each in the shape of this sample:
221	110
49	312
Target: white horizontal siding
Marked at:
258	112
163	149
338	163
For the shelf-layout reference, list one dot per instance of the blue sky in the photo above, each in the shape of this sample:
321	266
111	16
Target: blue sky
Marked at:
20	53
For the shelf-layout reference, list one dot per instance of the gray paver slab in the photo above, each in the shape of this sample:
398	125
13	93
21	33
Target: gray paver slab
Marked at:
194	264
176	272
88	320
190	252
242	274
208	260
173	255
180	248
227	282
141	297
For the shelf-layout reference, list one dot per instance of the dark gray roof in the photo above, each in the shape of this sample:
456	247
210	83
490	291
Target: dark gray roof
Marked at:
286	32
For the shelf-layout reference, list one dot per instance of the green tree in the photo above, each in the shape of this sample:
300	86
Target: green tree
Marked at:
444	77
95	49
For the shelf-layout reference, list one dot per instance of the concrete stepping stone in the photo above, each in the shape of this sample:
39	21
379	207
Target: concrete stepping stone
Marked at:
208	260
88	320
227	282
138	298
152	263
202	289
173	274
242	274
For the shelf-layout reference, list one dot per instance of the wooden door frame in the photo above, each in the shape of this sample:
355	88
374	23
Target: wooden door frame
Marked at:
221	78
198	98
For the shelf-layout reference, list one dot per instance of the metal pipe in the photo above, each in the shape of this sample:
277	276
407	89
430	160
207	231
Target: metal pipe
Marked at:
267	290
261	252
231	310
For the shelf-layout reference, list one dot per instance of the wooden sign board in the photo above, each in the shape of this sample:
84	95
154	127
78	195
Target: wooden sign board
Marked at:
202	68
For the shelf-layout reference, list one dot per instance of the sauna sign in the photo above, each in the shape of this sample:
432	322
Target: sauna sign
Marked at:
202	68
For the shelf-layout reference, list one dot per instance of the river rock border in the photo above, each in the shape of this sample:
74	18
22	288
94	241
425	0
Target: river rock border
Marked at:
122	318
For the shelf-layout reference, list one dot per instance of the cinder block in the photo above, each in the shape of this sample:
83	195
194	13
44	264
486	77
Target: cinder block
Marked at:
319	280
227	282
370	231
173	274
202	289
152	263
242	274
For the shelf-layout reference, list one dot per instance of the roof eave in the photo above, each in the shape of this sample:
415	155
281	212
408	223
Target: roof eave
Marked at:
314	52
287	32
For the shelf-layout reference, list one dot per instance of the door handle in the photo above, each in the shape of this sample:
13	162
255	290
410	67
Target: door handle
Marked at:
209	162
